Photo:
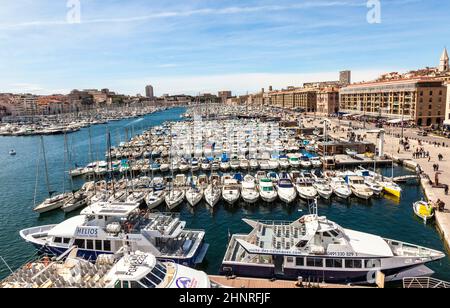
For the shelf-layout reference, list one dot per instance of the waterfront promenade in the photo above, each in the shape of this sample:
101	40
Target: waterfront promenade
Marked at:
391	149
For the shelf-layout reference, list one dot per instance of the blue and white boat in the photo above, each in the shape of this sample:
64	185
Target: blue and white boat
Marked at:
104	227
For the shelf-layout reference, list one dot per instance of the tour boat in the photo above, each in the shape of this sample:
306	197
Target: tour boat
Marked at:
317	249
130	270
103	227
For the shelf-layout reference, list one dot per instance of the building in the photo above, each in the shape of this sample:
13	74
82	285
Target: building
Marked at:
302	99
345	77
421	100
447	106
149	92
344	80
224	95
444	62
328	101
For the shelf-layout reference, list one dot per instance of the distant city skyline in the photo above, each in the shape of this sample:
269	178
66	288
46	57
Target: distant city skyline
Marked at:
193	47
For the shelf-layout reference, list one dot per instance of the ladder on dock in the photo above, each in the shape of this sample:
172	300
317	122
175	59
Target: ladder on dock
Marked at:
406	178
424	283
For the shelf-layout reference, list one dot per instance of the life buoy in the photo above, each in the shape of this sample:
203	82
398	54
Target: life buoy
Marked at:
29	266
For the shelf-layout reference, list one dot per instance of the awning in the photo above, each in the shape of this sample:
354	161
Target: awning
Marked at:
447	122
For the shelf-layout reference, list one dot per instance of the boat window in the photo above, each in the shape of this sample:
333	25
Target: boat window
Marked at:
334	233
302	244
66	240
125	285
314	262
107	246
160	271
351	263
79	243
372	263
146	282
153	278
98	245
90	244
336	263
58	240
326	234
300	262
135	285
290	259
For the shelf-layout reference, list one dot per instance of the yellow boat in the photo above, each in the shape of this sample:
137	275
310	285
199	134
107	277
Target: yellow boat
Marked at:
392	188
423	210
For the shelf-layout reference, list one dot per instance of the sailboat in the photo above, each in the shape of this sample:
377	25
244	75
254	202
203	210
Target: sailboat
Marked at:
176	195
52	202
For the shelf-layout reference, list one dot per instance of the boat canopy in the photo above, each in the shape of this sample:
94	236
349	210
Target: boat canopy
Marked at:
110	209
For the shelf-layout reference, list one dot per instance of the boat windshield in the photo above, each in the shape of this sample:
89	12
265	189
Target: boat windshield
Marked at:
155	277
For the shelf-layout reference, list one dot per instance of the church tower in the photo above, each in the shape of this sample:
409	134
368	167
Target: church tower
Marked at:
444	64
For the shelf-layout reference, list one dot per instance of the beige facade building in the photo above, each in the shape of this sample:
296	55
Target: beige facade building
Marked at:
328	101
295	98
420	100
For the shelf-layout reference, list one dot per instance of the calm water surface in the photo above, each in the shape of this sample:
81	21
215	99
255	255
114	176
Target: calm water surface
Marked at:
385	217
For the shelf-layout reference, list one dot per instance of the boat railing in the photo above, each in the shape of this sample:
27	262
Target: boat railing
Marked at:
36	230
424	283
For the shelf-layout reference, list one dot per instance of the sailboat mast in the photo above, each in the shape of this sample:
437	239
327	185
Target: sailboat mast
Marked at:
46	167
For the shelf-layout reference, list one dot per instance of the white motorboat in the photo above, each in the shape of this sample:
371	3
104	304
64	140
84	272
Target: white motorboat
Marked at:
244	164
249	192
12	153
267	190
316	162
195	165
235	164
323	188
164	167
359	188
340	188
137	197
205	165
284	163
286	190
254	164
305	188
274	164
294	161
374	185
305	163
174	198
264	165
225	166
231	190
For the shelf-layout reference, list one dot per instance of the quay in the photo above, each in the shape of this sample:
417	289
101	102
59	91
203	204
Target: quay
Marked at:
255	283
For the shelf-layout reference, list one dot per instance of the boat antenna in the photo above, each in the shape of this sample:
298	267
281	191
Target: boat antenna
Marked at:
313	208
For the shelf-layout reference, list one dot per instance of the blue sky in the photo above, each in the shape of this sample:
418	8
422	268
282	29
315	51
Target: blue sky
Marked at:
193	46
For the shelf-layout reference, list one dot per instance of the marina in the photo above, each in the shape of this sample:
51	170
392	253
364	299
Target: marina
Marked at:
158	169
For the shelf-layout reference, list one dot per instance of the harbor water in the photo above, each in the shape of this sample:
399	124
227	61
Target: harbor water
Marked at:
388	218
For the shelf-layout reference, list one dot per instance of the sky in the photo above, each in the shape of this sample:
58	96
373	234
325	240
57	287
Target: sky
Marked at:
198	46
